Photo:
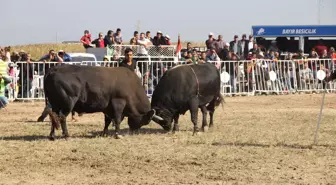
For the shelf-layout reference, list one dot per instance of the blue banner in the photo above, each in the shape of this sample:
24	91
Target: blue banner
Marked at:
294	31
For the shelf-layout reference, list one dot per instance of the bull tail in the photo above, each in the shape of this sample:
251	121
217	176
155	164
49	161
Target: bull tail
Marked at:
218	100
55	121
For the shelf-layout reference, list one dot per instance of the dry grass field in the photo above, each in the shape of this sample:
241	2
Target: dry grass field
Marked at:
39	50
256	140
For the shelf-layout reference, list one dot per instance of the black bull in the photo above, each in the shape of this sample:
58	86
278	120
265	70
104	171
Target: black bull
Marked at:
117	92
183	88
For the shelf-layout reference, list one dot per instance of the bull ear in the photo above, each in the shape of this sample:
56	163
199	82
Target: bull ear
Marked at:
151	113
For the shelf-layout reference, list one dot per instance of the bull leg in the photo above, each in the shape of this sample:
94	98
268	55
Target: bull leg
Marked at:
113	123
107	124
63	116
211	118
73	119
43	115
176	126
118	107
204	120
54	119
52	133
193	104
211	109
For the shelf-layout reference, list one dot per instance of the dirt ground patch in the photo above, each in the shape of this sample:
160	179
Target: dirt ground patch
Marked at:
255	140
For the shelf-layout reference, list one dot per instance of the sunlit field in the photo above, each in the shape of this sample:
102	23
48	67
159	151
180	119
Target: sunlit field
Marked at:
39	50
255	140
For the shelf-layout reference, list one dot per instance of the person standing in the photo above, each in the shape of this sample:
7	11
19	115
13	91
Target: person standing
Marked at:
4	81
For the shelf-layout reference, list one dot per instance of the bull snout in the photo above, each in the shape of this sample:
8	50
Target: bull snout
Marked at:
162	122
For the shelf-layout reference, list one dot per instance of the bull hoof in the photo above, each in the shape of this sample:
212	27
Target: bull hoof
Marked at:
211	125
65	136
176	128
197	133
117	136
205	129
51	138
104	133
40	119
74	120
135	132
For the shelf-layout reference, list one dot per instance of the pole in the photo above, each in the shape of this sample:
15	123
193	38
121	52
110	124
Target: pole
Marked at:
320	3
319	118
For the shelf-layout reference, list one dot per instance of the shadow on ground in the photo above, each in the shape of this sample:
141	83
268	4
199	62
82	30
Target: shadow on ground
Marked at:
290	146
93	134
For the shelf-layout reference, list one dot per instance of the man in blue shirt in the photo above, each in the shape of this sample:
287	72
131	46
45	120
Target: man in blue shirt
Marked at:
66	57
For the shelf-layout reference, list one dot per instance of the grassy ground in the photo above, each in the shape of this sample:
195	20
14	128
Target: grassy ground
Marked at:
256	140
39	50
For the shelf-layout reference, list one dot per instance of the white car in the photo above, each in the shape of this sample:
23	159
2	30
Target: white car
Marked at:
84	59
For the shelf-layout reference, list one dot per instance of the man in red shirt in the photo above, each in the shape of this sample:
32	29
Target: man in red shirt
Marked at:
320	47
86	39
99	42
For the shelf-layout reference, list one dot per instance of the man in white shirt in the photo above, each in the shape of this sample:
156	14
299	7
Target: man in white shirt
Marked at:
142	50
250	43
143	43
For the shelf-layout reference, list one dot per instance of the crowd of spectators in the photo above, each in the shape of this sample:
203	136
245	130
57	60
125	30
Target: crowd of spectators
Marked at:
116	38
217	49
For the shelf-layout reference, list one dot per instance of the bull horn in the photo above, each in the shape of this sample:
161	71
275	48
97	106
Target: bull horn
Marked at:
158	118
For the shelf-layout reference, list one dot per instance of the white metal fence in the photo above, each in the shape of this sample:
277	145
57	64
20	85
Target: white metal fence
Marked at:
138	50
237	77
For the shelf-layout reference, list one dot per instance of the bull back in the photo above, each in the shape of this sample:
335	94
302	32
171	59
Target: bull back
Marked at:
91	88
181	83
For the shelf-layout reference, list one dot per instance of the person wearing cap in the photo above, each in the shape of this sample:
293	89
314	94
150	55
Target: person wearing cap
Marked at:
225	51
86	39
210	42
66	57
168	40
159	40
235	46
50	60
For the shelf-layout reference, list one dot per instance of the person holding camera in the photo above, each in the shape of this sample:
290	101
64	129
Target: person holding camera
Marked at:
4	81
49	61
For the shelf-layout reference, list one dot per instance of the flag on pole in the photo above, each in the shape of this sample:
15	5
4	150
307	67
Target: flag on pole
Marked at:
179	47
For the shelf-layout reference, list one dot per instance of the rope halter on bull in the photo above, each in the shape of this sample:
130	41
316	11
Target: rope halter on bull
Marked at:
198	94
